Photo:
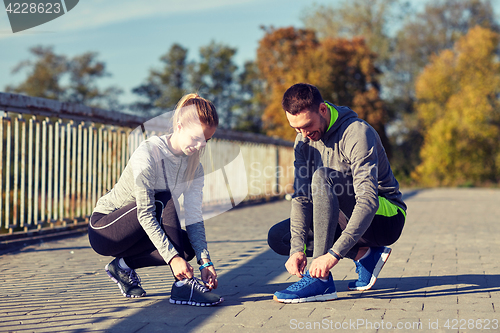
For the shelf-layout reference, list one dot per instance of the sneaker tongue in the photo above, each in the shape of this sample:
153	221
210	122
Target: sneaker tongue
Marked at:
180	283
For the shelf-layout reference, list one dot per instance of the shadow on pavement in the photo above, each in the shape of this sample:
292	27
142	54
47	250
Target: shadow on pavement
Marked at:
239	241
235	286
41	249
428	286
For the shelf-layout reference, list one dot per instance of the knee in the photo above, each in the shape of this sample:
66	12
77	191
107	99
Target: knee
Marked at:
321	179
279	229
326	181
320	175
99	245
325	175
278	237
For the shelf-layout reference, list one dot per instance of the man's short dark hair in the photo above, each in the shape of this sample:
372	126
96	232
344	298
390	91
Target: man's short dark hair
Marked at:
301	96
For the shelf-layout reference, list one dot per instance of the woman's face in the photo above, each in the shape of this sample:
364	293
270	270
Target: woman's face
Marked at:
194	137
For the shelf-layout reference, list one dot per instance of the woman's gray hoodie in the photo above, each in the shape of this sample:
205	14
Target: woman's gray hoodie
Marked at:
143	177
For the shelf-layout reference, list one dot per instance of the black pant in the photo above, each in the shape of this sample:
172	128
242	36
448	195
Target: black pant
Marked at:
119	234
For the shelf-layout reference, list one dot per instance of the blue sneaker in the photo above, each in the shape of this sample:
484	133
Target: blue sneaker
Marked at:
308	289
369	268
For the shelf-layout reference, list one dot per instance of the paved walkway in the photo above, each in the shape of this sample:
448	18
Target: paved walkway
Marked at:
443	276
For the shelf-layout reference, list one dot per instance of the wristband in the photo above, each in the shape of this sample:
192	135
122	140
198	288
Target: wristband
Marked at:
334	254
206	265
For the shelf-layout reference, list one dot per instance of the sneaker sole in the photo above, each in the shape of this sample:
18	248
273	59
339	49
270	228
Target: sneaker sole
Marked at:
119	285
378	267
322	298
195	303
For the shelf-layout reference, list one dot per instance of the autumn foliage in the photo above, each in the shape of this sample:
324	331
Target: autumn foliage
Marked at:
342	69
458	108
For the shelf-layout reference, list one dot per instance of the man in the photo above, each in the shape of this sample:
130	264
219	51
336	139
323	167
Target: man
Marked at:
346	202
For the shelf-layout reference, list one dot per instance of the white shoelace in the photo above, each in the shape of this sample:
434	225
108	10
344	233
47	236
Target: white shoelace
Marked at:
195	283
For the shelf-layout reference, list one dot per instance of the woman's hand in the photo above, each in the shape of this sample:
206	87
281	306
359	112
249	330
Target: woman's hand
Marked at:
209	276
181	268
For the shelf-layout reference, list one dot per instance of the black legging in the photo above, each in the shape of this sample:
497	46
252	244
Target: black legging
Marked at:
119	234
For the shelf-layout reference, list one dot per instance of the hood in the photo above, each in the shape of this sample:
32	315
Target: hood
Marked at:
344	113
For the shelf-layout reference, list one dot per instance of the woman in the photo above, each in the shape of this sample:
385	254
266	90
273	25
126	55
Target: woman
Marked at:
137	223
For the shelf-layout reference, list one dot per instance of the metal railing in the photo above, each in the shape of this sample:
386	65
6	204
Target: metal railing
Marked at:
57	159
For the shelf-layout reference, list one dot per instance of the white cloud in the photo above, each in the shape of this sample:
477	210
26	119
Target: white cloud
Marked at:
96	13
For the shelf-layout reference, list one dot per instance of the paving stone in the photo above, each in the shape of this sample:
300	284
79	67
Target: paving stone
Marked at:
443	268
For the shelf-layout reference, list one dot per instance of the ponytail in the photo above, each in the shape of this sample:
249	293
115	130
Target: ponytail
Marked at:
205	114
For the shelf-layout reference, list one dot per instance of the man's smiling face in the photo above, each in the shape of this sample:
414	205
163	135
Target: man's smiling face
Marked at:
312	125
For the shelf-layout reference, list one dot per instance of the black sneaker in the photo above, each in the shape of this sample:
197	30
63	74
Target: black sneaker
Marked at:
193	292
127	279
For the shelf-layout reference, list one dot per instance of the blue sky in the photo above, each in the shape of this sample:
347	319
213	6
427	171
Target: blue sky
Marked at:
130	35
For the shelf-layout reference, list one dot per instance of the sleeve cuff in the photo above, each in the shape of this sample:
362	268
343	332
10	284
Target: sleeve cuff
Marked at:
202	255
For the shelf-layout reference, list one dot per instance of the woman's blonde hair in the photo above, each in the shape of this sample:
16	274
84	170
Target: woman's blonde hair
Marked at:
205	114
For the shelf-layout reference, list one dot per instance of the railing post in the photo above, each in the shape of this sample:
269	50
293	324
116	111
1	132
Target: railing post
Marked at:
69	171
72	188
103	157
115	148
62	152
94	171
1	167
56	152
51	185
45	189
15	197
8	159
37	172
85	170
30	172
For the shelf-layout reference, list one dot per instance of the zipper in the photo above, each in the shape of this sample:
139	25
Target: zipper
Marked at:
177	177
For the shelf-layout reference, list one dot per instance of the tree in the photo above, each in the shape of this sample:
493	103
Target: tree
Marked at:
457	103
424	34
44	74
214	77
84	71
47	74
164	87
251	101
370	19
279	53
441	24
343	70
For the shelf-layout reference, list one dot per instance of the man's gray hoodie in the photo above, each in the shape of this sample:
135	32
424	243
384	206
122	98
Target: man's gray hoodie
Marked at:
353	147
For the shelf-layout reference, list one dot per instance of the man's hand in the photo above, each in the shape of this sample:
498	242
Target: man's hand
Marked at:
320	267
296	264
181	268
